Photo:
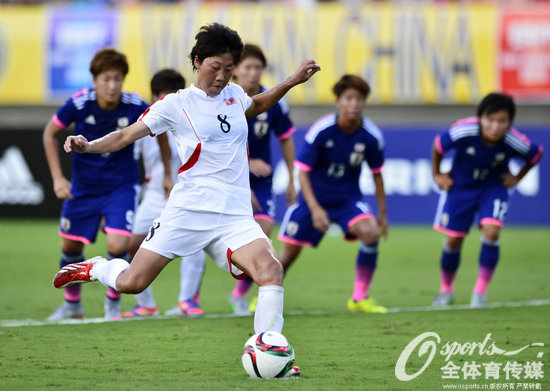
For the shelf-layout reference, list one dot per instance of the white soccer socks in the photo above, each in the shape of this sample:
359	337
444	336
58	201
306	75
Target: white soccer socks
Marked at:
269	312
107	272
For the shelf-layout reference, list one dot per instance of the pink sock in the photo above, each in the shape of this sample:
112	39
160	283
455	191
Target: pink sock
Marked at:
72	293
113	294
242	287
483	279
363	277
447	281
196	298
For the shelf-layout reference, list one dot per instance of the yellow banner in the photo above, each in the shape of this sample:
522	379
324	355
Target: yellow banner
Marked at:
409	54
22	55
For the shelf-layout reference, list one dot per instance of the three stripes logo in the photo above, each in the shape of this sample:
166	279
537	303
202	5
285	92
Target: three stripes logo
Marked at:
17	185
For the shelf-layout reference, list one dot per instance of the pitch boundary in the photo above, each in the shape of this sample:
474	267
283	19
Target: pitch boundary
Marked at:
33	322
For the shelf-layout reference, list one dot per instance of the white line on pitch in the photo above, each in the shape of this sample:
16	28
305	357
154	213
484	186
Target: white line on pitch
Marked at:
32	322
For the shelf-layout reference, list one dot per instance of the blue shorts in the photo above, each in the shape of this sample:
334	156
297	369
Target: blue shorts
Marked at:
297	226
458	208
81	216
266	198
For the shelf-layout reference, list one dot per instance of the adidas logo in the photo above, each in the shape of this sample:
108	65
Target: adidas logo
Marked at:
329	143
471	151
17	186
90	120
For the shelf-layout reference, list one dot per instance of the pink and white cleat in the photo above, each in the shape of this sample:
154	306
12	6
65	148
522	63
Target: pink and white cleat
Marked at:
293	372
76	273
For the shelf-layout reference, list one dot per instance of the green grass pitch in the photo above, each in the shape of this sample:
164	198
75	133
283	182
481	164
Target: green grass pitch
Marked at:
337	350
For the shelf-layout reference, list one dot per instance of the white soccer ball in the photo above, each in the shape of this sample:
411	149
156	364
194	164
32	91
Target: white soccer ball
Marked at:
267	355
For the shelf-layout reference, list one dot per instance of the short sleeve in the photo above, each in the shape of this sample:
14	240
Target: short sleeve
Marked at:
242	96
282	125
66	114
163	115
443	142
309	152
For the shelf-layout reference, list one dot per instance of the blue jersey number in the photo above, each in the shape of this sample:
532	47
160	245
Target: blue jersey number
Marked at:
499	209
336	170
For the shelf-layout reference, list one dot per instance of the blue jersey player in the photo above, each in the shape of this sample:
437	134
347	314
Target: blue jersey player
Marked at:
274	121
479	184
103	187
329	163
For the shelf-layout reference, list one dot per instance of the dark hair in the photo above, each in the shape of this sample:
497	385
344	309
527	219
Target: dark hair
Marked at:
251	50
496	101
215	39
107	59
167	80
351	81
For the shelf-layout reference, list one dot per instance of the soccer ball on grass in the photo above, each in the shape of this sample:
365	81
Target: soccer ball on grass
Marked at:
267	355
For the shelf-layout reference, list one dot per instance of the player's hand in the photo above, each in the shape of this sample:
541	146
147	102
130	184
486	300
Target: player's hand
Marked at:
167	185
383	225
305	70
256	206
260	168
320	220
76	143
509	180
62	188
290	194
443	181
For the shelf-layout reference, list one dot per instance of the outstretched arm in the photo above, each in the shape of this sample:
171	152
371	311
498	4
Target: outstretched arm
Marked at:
266	99
111	142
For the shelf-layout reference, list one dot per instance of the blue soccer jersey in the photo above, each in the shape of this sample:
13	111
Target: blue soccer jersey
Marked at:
334	158
274	120
477	165
94	172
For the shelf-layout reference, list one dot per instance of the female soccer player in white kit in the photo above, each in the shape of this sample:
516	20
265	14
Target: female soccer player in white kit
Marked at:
209	208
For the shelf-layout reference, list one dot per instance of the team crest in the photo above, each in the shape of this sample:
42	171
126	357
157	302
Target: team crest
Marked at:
123	122
261	127
65	224
357	156
292	228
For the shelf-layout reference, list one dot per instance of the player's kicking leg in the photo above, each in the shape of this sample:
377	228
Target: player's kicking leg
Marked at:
116	273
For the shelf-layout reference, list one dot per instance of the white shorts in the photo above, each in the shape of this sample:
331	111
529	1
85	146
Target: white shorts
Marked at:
179	232
148	210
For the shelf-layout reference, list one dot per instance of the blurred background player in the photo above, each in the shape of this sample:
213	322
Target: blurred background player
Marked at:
247	74
479	183
330	163
158	183
103	187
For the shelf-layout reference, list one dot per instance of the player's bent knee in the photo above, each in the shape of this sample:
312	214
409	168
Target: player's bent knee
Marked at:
268	273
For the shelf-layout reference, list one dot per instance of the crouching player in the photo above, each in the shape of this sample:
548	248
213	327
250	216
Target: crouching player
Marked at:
330	163
479	183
